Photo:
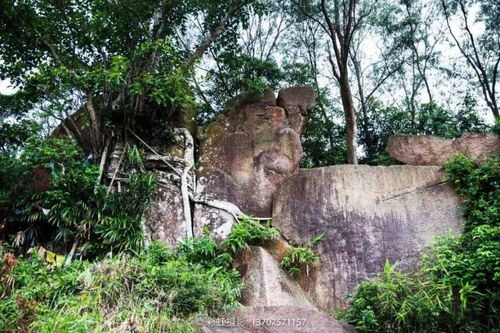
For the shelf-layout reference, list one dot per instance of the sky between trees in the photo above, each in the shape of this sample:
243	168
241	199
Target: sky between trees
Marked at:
363	56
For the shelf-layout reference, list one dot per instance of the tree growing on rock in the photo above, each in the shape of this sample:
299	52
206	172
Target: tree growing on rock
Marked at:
120	63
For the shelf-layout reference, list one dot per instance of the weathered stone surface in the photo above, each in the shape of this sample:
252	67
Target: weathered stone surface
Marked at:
268	98
297	102
164	218
276	319
247	153
369	214
266	284
433	150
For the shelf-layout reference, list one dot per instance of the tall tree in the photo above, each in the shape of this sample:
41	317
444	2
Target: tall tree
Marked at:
340	20
120	60
481	51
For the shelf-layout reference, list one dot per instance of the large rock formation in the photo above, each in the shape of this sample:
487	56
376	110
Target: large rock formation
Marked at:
433	150
164	221
369	215
247	153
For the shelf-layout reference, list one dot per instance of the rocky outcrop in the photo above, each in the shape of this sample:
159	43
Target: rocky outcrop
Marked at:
274	319
249	151
164	221
165	216
369	215
297	102
433	150
273	301
266	284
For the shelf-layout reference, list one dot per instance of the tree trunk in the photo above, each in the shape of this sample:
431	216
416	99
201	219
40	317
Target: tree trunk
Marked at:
350	118
95	128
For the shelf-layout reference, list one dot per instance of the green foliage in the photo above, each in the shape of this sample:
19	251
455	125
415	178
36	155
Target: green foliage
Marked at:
301	257
480	188
398	302
154	291
67	196
470	265
297	258
205	252
236	74
496	126
133	158
457	286
15	125
323	139
249	232
10	176
127	62
71	206
456	290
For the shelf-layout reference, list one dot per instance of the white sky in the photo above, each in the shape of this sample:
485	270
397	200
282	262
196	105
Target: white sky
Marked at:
5	87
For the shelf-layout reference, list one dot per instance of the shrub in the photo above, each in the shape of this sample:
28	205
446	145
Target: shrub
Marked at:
398	302
249	232
455	290
480	188
153	291
204	251
73	208
301	257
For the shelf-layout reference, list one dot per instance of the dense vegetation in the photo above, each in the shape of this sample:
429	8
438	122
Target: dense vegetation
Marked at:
85	76
156	290
457	286
72	207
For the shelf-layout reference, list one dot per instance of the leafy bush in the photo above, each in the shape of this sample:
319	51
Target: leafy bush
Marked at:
456	290
72	207
398	302
301	257
480	188
457	286
65	200
154	291
119	228
249	232
204	251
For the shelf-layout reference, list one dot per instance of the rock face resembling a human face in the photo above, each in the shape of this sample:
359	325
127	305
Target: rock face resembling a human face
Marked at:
247	153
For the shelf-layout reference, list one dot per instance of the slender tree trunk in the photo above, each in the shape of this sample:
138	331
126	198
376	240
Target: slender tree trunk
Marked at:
363	101
95	128
350	118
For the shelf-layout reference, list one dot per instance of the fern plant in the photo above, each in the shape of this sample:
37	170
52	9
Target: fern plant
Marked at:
300	257
249	232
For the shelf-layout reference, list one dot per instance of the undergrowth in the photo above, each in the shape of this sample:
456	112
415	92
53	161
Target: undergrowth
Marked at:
155	290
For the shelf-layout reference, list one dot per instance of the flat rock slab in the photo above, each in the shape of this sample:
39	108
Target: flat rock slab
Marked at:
274	319
369	215
434	150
